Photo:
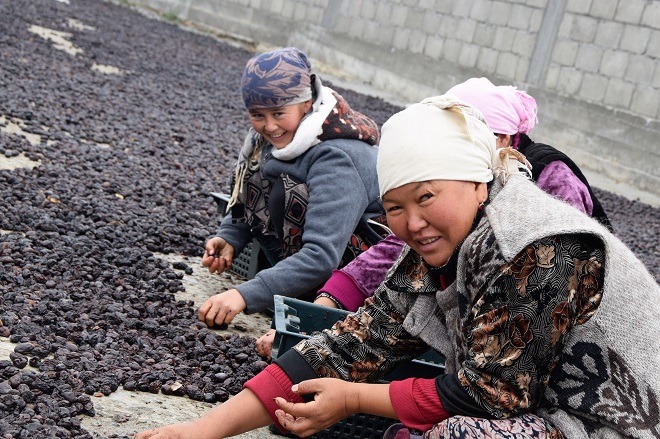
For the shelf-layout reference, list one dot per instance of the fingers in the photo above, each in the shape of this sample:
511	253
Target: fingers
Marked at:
265	343
215	312
214	245
217	255
308	386
145	434
203	310
209	313
221	308
296	409
228	317
215	264
302	427
227	262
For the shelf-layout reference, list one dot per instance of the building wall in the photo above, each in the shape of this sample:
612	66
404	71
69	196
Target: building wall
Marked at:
592	65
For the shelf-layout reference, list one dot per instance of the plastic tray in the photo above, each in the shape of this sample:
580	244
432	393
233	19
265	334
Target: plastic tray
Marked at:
251	259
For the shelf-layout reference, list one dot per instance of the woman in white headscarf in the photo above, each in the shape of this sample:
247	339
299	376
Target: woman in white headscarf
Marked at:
529	300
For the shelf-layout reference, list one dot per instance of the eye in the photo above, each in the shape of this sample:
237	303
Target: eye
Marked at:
425	197
392	209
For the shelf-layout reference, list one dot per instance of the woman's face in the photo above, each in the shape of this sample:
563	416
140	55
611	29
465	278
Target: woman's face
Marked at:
434	217
279	125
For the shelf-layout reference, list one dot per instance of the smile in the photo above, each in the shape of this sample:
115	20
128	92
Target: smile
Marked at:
428	241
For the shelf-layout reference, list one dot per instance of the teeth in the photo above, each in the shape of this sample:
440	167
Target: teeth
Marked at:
428	241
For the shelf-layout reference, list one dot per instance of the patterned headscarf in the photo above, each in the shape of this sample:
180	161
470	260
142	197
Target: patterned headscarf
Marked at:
506	109
275	79
440	138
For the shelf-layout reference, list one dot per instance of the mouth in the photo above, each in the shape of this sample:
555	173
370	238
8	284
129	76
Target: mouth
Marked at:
276	136
427	241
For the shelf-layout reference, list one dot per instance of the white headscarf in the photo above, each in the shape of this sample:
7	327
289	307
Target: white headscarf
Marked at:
440	138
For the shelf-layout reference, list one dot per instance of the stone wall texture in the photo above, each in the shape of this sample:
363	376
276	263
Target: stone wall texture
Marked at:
592	65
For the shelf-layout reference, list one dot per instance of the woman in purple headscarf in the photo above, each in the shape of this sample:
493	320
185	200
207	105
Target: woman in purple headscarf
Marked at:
305	185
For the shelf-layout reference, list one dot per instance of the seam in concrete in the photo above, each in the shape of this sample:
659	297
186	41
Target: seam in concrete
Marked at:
545	41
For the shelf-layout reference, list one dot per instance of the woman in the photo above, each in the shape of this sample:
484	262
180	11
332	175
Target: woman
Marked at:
529	300
305	186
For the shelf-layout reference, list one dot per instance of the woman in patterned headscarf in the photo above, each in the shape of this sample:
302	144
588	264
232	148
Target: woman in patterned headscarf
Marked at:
529	300
305	185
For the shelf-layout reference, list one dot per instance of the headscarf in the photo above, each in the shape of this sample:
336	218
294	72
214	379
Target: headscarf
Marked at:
440	138
506	109
276	79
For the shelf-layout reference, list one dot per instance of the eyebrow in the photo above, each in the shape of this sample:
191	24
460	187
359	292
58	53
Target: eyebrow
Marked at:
414	188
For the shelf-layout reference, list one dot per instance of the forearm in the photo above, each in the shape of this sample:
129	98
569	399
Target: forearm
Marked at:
373	399
241	413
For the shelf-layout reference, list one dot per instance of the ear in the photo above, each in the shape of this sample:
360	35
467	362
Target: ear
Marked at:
482	191
503	140
308	105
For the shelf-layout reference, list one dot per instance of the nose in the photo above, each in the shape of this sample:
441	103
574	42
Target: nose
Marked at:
416	222
269	124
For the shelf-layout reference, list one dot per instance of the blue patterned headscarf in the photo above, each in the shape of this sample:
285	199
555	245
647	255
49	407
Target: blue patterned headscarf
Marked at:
275	79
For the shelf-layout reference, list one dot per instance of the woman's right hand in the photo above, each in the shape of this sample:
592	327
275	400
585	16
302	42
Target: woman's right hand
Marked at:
218	255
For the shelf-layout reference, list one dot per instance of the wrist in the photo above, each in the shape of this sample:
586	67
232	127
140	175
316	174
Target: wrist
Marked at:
353	404
324	299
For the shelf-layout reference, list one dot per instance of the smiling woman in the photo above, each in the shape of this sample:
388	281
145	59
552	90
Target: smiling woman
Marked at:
305	186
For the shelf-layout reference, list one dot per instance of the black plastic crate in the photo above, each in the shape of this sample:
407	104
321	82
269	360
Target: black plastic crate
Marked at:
295	320
251	259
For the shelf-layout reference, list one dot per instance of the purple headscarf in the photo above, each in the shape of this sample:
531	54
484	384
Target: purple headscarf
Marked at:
278	78
506	109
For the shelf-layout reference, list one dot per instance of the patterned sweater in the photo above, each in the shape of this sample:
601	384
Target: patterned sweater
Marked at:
519	334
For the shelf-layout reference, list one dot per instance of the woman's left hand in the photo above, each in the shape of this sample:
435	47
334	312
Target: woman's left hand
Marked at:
333	401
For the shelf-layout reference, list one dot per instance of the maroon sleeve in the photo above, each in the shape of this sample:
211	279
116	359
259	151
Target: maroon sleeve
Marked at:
344	290
270	383
416	403
357	281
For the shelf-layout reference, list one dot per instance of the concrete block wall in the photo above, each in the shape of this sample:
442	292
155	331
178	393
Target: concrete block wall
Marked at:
592	65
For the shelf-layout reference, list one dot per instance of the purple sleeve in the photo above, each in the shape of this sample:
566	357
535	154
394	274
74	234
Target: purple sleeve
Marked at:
558	180
351	285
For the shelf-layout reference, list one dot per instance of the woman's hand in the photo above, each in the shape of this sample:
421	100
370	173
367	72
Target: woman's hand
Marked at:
218	255
334	400
221	308
265	343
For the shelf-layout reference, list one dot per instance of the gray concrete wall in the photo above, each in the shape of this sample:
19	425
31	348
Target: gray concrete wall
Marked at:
592	65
